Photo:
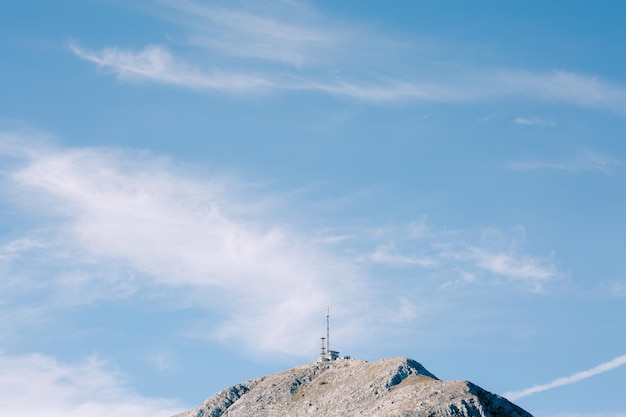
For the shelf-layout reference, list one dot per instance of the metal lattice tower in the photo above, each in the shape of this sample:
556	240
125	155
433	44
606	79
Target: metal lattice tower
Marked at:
328	329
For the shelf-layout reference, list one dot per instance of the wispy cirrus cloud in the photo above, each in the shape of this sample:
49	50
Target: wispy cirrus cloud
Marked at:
388	255
118	221
617	289
291	47
35	384
464	257
283	32
564	87
581	161
14	248
533	121
532	270
568	380
598	414
155	63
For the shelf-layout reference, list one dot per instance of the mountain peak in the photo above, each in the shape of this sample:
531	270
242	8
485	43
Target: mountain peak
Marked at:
392	387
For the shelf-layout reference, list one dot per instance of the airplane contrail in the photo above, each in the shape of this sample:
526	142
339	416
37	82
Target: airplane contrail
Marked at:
566	380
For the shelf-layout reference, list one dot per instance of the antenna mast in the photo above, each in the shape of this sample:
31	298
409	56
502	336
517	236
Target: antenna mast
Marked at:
328	329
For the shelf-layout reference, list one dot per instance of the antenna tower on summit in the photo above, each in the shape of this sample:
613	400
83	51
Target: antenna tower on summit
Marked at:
327	354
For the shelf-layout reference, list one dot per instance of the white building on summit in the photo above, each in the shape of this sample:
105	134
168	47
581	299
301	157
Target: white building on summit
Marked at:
326	354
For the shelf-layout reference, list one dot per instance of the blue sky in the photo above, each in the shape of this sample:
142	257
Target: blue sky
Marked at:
186	185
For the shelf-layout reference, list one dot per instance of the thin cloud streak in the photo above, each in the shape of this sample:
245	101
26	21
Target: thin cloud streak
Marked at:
599	414
568	380
386	255
291	47
618	289
583	161
14	248
253	33
562	86
463	257
533	121
156	64
512	266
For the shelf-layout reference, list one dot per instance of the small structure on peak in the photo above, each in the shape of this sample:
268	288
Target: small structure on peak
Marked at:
327	355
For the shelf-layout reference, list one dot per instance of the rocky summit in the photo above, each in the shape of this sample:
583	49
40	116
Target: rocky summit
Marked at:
397	387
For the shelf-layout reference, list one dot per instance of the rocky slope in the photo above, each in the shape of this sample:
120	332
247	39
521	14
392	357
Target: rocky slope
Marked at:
397	387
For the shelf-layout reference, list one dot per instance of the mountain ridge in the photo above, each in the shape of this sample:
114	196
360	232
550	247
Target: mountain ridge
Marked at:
392	387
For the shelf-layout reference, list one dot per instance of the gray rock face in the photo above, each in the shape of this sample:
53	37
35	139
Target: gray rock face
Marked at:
397	387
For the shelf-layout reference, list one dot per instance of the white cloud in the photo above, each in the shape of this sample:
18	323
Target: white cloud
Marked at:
161	359
38	385
597	414
617	289
479	256
386	255
533	121
530	269
278	32
14	248
572	379
583	160
292	47
560	86
119	221
155	63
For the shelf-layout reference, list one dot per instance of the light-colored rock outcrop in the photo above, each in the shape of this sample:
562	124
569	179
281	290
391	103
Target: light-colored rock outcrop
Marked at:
397	387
